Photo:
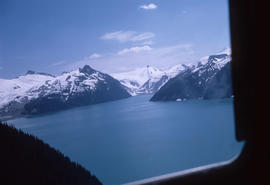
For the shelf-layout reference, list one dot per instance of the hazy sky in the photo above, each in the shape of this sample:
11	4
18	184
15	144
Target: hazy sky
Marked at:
110	35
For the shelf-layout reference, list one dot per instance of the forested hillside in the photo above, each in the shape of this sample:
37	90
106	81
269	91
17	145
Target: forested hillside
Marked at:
26	160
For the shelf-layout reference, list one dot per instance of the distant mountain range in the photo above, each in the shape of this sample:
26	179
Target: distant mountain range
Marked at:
35	93
147	80
211	78
197	78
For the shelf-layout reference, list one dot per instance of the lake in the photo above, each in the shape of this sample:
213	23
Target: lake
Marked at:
133	138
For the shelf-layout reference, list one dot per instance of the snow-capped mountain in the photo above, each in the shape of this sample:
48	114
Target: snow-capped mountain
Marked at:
35	92
148	79
40	92
211	78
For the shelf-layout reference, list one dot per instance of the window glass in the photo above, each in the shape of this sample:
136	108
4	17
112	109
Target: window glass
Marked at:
129	89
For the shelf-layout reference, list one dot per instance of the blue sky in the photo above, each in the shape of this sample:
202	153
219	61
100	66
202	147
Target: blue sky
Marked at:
109	35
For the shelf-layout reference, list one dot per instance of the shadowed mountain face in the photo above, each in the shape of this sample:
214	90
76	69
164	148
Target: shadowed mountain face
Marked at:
221	85
209	80
26	160
36	93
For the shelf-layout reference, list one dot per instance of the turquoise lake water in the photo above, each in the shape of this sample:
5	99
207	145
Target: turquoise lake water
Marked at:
133	138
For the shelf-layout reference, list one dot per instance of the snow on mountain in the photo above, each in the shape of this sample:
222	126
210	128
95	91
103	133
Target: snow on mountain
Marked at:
147	79
226	51
208	79
32	85
19	88
140	75
175	70
75	87
134	80
214	62
78	87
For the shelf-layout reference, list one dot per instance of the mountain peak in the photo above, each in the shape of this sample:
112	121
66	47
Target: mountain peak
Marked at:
218	60
226	51
87	70
30	72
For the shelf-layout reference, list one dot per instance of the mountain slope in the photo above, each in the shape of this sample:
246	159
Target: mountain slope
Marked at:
211	78
221	85
26	160
134	80
147	80
36	93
